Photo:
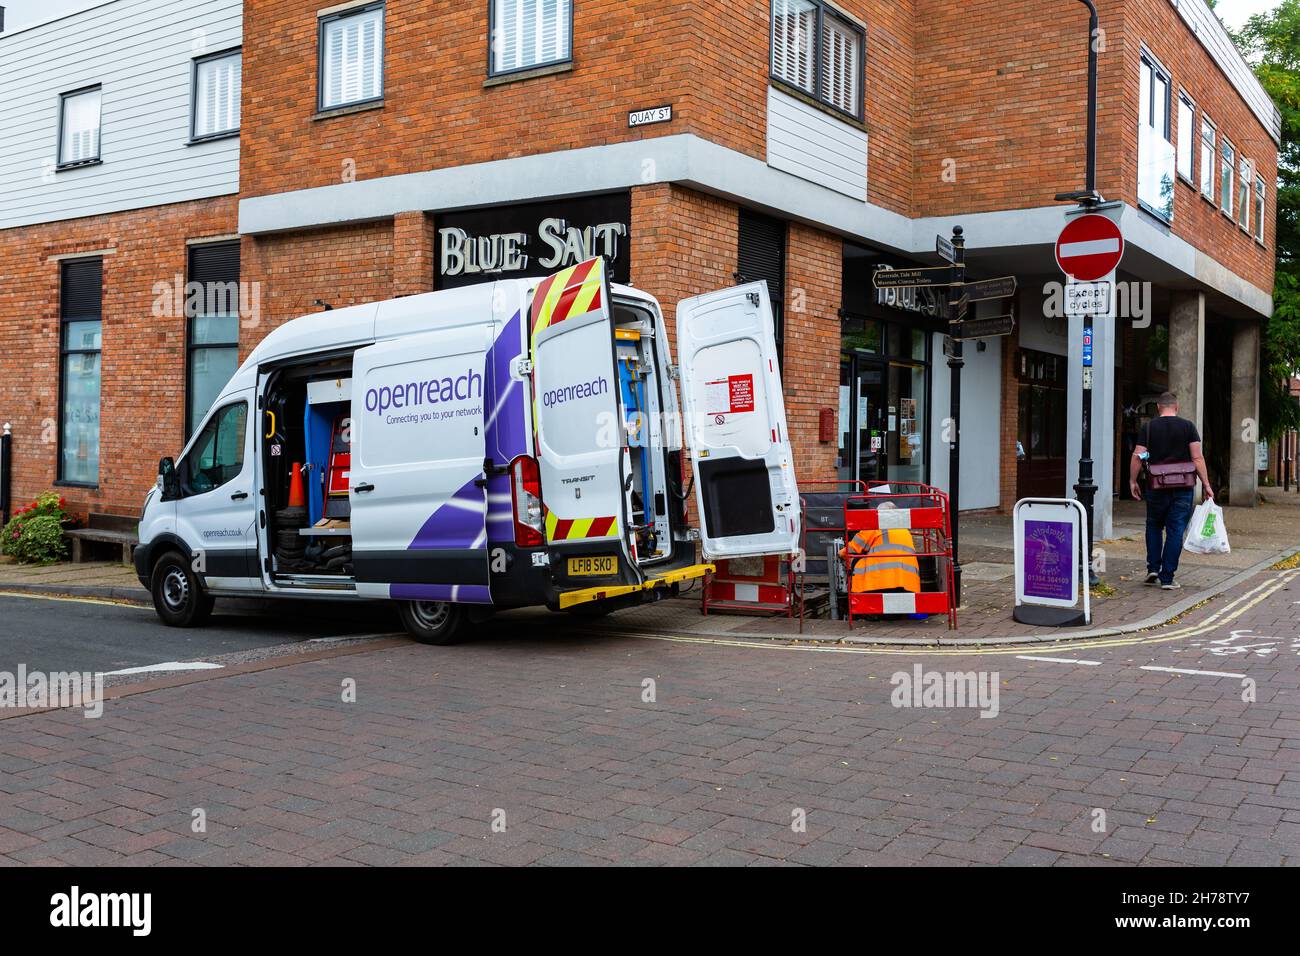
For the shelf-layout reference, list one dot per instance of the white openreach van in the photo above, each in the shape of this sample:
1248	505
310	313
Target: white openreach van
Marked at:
503	445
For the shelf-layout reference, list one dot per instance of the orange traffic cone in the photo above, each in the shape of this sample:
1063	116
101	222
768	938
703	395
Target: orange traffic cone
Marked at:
296	497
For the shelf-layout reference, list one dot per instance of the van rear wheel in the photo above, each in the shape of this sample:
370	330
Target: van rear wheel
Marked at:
433	622
177	595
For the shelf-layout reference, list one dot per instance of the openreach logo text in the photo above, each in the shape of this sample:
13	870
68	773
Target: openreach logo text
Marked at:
39	690
922	688
76	909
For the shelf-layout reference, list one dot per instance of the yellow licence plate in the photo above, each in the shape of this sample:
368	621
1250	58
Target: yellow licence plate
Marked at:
600	566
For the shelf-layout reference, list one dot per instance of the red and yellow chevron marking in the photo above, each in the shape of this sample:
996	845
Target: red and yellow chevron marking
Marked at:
575	529
569	293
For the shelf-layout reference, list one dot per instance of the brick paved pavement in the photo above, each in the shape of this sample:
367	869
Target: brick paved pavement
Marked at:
552	731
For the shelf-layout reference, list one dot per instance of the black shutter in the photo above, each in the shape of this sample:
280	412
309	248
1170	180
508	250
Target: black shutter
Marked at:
761	258
215	262
81	289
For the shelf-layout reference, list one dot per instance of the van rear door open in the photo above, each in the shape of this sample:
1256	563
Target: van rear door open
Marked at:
418	495
734	417
579	432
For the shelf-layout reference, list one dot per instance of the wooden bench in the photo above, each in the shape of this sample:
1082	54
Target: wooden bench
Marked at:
110	530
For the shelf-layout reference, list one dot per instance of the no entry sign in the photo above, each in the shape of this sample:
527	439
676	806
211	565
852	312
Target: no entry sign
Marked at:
1089	248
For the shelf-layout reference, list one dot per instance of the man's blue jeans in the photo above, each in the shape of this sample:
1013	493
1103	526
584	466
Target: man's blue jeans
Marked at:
1167	515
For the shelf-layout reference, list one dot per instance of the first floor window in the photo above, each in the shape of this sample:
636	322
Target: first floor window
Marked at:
1207	159
352	57
1259	208
1226	168
1243	194
80	331
1186	135
1156	154
79	126
820	52
216	95
529	33
213	325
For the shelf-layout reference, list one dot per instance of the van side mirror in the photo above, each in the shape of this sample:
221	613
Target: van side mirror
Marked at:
168	480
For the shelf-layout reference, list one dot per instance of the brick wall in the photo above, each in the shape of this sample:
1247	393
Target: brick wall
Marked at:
142	398
342	266
1007	108
814	273
709	59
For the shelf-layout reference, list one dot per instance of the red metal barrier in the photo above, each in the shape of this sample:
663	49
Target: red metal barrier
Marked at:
923	511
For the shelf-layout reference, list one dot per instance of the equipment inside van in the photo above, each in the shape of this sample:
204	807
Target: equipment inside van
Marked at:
510	444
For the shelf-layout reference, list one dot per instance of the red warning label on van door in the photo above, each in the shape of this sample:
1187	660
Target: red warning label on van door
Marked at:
730	395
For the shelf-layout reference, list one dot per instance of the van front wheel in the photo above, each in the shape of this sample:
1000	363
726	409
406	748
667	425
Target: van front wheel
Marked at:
177	596
433	622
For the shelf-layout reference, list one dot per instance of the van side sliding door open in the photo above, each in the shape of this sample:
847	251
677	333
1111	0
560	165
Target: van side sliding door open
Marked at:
579	432
734	418
417	490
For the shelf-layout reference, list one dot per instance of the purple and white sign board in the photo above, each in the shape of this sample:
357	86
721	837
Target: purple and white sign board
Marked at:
1050	560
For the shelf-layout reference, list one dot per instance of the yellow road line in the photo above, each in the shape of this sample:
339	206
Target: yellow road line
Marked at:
69	599
1229	612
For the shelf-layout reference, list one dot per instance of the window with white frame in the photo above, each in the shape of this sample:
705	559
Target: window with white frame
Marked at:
352	57
1259	209
1186	135
820	52
1156	162
1207	158
1245	175
530	33
79	126
1226	168
216	95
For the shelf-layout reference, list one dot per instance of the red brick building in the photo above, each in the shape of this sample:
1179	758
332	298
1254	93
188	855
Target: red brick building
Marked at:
396	147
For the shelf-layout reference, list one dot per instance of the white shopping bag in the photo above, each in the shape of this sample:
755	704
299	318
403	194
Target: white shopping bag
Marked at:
1206	534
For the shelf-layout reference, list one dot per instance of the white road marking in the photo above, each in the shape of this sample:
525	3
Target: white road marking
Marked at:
1184	670
1057	660
169	666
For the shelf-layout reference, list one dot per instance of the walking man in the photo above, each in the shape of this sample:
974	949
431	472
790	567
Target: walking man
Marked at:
1171	448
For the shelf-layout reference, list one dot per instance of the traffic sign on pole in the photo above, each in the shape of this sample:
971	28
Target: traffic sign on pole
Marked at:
946	250
998	288
911	278
984	328
1089	248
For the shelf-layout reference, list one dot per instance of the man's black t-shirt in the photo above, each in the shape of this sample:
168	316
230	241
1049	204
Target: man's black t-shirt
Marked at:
1167	439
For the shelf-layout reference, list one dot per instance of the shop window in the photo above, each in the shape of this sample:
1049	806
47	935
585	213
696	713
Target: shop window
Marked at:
212	320
1186	136
79	114
1155	152
81	328
1207	158
1225	177
215	109
1260	206
218	454
761	258
530	33
352	57
820	52
1243	194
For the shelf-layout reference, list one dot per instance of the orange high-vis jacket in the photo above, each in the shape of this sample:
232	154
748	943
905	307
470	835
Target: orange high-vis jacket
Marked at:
891	561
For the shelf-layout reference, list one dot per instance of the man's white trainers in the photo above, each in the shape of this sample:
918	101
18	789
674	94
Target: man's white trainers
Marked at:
1171	586
1152	578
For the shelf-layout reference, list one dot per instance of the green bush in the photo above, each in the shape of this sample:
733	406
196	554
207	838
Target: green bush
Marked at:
35	533
41	541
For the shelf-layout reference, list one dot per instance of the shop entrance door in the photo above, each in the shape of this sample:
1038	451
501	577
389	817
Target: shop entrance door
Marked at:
864	437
